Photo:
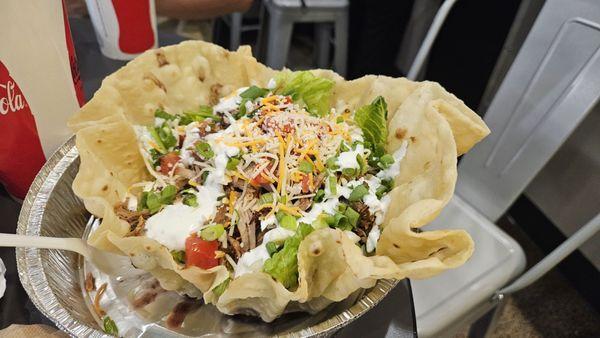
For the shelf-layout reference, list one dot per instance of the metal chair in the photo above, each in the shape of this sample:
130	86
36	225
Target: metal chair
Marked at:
548	90
281	16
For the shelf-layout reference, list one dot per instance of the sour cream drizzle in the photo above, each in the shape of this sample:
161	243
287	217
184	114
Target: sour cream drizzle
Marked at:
174	223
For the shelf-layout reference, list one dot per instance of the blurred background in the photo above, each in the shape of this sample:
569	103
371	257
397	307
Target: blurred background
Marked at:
470	57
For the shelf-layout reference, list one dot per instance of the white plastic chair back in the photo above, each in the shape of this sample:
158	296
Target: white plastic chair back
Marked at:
551	86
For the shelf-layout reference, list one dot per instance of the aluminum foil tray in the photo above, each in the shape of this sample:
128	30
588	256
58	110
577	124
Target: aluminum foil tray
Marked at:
54	279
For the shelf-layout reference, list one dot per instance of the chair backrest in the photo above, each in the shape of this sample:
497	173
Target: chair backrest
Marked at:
552	84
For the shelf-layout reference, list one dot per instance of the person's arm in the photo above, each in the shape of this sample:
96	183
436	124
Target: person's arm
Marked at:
200	9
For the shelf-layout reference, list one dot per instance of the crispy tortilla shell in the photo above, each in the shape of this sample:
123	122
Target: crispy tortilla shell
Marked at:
434	124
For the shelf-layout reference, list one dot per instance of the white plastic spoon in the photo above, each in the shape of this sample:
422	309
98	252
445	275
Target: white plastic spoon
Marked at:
104	261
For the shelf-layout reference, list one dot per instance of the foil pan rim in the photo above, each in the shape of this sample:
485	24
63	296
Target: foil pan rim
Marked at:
34	281
29	261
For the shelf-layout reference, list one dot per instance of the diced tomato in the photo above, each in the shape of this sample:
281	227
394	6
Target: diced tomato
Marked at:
167	162
200	253
305	185
259	180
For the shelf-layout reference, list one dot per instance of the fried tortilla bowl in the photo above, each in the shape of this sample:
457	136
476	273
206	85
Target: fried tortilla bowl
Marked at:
437	126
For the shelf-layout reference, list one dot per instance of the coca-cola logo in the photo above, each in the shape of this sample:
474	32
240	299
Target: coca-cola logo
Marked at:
11	97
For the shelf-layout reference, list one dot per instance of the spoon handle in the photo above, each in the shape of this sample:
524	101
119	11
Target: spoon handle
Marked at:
21	241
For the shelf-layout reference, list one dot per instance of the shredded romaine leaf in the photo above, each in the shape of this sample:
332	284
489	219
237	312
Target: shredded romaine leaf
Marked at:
372	120
283	265
178	256
203	112
253	92
219	289
305	88
159	113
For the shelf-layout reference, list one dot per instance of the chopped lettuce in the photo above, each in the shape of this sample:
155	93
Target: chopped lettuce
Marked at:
178	256
283	265
273	247
307	89
253	93
219	289
159	113
203	112
286	220
345	218
372	119
110	327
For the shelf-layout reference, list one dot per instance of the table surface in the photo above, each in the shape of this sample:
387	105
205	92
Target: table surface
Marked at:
393	317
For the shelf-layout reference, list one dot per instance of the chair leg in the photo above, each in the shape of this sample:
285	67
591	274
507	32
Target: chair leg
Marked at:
235	34
341	43
322	45
485	325
279	38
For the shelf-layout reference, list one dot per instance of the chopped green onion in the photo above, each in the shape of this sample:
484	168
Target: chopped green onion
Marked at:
178	256
232	163
333	184
352	216
349	172
358	193
305	167
159	113
168	140
167	195
205	150
319	195
203	112
154	134
153	202
155	155
343	147
212	232
273	247
253	92
288	222
385	161
190	200
203	177
110	327
266	198
331	163
386	186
